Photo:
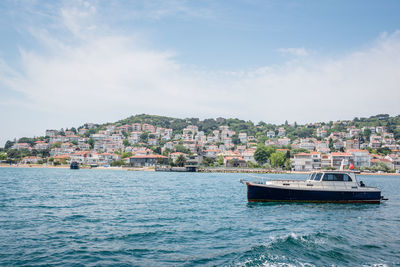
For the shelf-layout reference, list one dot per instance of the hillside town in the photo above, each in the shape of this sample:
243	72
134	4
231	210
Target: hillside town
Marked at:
217	143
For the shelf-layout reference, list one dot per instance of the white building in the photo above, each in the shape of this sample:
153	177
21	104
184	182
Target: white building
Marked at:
243	137
361	157
306	161
270	134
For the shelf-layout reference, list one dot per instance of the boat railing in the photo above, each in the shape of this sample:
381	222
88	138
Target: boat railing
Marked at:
332	185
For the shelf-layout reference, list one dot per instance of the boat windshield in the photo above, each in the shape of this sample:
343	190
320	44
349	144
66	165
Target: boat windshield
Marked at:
311	177
318	176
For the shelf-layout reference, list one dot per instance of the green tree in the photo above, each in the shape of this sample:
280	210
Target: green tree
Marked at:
144	137
252	164
3	156
182	149
91	143
277	159
380	166
126	143
28	140
331	144
166	152
287	165
367	134
8	144
396	133
180	161
171	162
157	150
261	138
117	163
235	139
208	161
287	155
220	160
384	150
262	154
126	155
56	145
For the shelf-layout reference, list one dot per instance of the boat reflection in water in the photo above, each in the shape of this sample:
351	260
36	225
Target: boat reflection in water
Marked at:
322	186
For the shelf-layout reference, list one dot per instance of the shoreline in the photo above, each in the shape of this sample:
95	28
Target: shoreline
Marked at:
204	170
40	166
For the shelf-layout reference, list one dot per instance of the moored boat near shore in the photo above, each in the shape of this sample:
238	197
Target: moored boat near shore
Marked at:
323	186
74	165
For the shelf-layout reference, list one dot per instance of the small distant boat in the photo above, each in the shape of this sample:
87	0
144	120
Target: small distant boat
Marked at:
322	186
74	165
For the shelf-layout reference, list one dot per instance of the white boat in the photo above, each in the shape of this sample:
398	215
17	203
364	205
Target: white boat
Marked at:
322	186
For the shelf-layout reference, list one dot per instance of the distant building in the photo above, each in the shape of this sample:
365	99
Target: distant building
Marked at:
337	158
307	144
41	145
146	160
243	137
321	132
248	155
137	127
270	134
175	155
306	161
361	157
281	132
51	133
283	141
20	146
210	153
31	160
234	161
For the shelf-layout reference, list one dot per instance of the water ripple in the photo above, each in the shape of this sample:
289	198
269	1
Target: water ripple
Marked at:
114	218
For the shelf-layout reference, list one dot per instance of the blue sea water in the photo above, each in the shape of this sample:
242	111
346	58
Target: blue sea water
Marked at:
121	218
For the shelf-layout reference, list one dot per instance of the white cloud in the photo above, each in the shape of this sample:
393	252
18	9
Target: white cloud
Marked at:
298	52
79	18
104	75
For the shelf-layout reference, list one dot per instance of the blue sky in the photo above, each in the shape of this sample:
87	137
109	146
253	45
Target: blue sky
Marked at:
64	63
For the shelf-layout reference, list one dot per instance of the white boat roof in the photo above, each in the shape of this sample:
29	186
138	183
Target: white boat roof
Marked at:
336	171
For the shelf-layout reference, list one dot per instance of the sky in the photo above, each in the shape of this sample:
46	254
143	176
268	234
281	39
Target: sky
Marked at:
65	63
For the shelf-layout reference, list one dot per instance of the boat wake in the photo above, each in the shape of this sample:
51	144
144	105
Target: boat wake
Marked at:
296	250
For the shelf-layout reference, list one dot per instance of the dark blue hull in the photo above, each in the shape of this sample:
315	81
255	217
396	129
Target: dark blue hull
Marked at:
262	193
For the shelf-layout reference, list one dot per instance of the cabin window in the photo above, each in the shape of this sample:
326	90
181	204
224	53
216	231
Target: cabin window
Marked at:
329	177
312	176
337	177
318	176
346	178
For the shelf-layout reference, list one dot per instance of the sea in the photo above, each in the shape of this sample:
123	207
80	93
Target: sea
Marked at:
63	217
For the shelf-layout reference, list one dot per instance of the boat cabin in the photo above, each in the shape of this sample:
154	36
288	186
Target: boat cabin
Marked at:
332	176
322	180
